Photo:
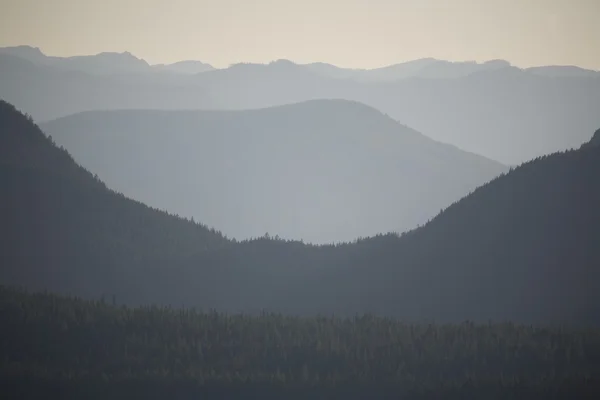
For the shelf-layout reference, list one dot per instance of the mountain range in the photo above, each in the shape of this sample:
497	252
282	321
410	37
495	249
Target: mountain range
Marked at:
522	247
107	63
322	170
493	109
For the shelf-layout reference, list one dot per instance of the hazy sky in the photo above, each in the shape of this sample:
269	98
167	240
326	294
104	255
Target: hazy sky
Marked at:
352	33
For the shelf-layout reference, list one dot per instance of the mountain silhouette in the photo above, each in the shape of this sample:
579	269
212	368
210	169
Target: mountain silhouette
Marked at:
100	64
522	247
185	67
422	68
107	63
565	71
501	112
62	229
323	170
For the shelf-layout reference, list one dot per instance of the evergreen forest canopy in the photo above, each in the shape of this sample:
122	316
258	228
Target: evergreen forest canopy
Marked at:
67	348
522	247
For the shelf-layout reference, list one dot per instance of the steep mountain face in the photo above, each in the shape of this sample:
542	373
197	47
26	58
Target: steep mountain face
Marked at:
501	112
323	171
62	229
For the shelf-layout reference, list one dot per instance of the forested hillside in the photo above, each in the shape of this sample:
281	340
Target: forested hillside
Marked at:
521	248
62	229
65	348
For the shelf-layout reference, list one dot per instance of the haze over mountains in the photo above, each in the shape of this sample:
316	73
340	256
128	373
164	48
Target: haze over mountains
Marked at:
493	109
323	171
522	247
300	199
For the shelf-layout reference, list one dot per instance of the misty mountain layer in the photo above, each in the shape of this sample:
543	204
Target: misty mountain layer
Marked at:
493	109
323	171
108	63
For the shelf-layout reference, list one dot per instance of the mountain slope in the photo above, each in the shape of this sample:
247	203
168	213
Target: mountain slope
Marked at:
324	171
525	242
502	113
62	229
521	248
594	142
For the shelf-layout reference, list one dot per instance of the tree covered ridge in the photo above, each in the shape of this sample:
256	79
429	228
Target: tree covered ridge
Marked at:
85	236
522	247
71	342
24	145
594	141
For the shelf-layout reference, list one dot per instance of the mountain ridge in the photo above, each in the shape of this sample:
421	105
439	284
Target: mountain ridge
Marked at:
323	151
522	248
104	63
43	183
424	67
505	114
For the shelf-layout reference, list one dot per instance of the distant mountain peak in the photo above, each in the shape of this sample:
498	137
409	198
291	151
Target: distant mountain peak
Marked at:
111	55
124	54
25	48
498	63
26	52
185	67
282	61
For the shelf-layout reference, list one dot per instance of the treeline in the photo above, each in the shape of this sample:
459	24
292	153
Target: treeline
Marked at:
72	347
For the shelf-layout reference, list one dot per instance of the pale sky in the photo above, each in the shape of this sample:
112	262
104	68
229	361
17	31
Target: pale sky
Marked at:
349	33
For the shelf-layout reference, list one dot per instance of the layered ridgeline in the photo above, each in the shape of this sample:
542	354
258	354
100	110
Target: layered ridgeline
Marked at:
62	229
323	171
57	347
499	111
523	247
108	63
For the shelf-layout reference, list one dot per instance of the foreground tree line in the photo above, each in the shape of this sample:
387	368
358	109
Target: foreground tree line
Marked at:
71	348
